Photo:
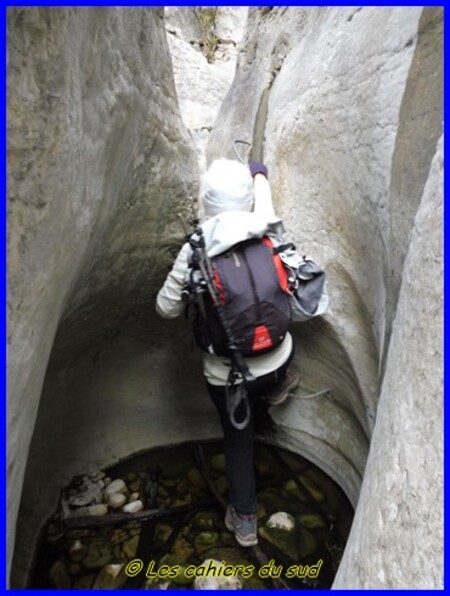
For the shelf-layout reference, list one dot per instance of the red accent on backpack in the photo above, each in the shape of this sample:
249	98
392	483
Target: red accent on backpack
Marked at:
261	339
219	287
279	267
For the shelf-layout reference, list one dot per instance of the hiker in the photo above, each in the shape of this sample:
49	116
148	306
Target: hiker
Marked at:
237	204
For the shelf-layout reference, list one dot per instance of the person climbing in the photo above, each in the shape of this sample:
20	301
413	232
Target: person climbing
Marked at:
237	206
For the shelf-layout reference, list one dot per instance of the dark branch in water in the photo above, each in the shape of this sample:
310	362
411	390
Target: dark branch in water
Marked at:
58	526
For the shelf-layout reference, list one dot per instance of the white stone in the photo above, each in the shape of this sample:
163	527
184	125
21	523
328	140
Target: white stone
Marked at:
116	500
209	582
133	507
114	569
100	509
116	486
76	546
281	520
80	500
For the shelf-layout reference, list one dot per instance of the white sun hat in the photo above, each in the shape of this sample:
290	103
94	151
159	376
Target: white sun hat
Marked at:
226	186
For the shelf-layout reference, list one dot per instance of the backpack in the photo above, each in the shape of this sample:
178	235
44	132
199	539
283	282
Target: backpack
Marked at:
252	286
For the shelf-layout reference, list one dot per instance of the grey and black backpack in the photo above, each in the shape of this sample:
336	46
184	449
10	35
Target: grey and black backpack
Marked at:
251	283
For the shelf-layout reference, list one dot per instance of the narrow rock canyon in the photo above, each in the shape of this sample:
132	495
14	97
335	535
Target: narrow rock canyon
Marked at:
113	114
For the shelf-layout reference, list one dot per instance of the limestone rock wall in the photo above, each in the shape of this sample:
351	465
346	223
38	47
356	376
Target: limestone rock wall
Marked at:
98	165
397	534
345	107
204	45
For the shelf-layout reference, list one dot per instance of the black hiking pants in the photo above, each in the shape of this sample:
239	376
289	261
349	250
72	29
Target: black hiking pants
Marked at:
239	444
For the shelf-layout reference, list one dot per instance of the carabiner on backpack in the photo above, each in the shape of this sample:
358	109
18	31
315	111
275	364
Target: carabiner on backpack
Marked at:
234	395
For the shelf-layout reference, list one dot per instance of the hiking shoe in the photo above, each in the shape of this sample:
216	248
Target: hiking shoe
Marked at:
243	526
279	393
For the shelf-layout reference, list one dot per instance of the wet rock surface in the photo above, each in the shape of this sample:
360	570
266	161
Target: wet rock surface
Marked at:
193	549
93	122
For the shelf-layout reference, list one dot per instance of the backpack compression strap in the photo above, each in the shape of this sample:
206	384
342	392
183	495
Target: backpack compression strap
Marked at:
234	393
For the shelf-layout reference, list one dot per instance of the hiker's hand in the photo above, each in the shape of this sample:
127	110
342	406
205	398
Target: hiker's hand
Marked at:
256	167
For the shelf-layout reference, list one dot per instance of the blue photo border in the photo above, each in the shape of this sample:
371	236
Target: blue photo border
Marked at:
94	3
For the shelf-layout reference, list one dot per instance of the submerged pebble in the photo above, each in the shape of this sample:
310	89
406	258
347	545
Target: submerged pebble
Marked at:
98	555
76	551
307	542
313	490
74	568
195	478
218	463
135	485
162	532
183	548
100	509
209	582
185	500
205	540
118	536
175	561
312	520
130	547
59	576
111	577
222	485
285	541
281	520
205	520
84	582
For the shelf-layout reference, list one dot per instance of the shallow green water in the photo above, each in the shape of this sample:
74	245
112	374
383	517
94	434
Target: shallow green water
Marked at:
169	551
